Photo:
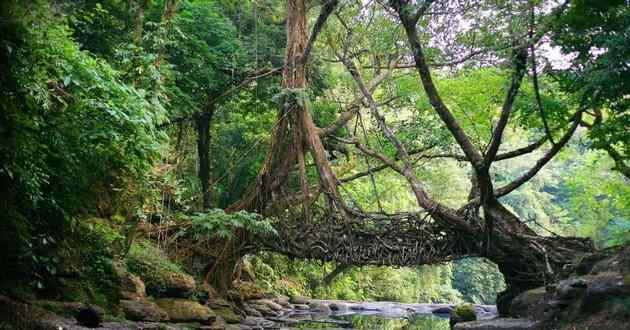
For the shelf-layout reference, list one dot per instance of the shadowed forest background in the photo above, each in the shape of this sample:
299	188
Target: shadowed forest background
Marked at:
128	127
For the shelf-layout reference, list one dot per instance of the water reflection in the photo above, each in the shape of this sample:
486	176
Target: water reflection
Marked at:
374	322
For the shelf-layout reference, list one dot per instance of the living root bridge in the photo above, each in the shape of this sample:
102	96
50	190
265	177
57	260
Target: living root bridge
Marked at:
407	239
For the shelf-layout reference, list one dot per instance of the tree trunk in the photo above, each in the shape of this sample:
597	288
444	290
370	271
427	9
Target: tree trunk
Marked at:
203	153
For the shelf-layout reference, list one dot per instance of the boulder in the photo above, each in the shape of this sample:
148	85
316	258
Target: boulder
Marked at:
218	324
177	285
264	310
218	303
530	304
248	290
269	303
228	314
570	289
299	300
251	311
131	286
282	301
319	308
339	307
499	324
65	308
89	317
301	307
143	310
604	287
183	310
258	322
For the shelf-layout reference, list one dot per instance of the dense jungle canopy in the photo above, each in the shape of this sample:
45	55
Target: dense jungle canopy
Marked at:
479	144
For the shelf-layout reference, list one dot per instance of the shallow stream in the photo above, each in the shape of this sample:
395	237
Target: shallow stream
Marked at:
382	316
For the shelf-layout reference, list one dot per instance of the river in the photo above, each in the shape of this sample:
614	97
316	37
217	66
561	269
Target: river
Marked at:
378	316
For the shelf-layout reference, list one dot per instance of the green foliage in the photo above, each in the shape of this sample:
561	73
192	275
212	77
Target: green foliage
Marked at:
216	223
278	274
73	121
478	280
594	36
292	98
464	313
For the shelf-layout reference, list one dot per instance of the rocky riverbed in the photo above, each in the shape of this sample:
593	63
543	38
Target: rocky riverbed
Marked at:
266	313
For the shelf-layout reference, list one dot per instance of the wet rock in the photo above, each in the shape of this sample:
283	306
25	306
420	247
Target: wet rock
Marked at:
258	322
142	310
249	310
183	310
301	307
499	324
299	300
282	301
269	303
339	307
264	309
321	308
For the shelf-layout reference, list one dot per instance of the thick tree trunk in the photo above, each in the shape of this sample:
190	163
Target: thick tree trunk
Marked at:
526	259
203	153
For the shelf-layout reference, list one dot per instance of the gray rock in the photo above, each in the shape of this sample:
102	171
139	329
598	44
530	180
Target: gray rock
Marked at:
258	322
339	307
267	302
603	287
499	324
282	301
570	289
299	300
249	310
317	307
301	307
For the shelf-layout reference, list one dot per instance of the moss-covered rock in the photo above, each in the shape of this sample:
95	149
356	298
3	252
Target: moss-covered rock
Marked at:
183	310
143	310
462	313
228	314
162	277
130	286
248	290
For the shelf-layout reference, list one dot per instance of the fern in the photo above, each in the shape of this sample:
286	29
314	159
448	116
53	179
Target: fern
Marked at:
217	223
290	98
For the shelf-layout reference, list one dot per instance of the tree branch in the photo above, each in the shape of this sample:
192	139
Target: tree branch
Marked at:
354	106
508	188
409	23
506	109
236	87
325	11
